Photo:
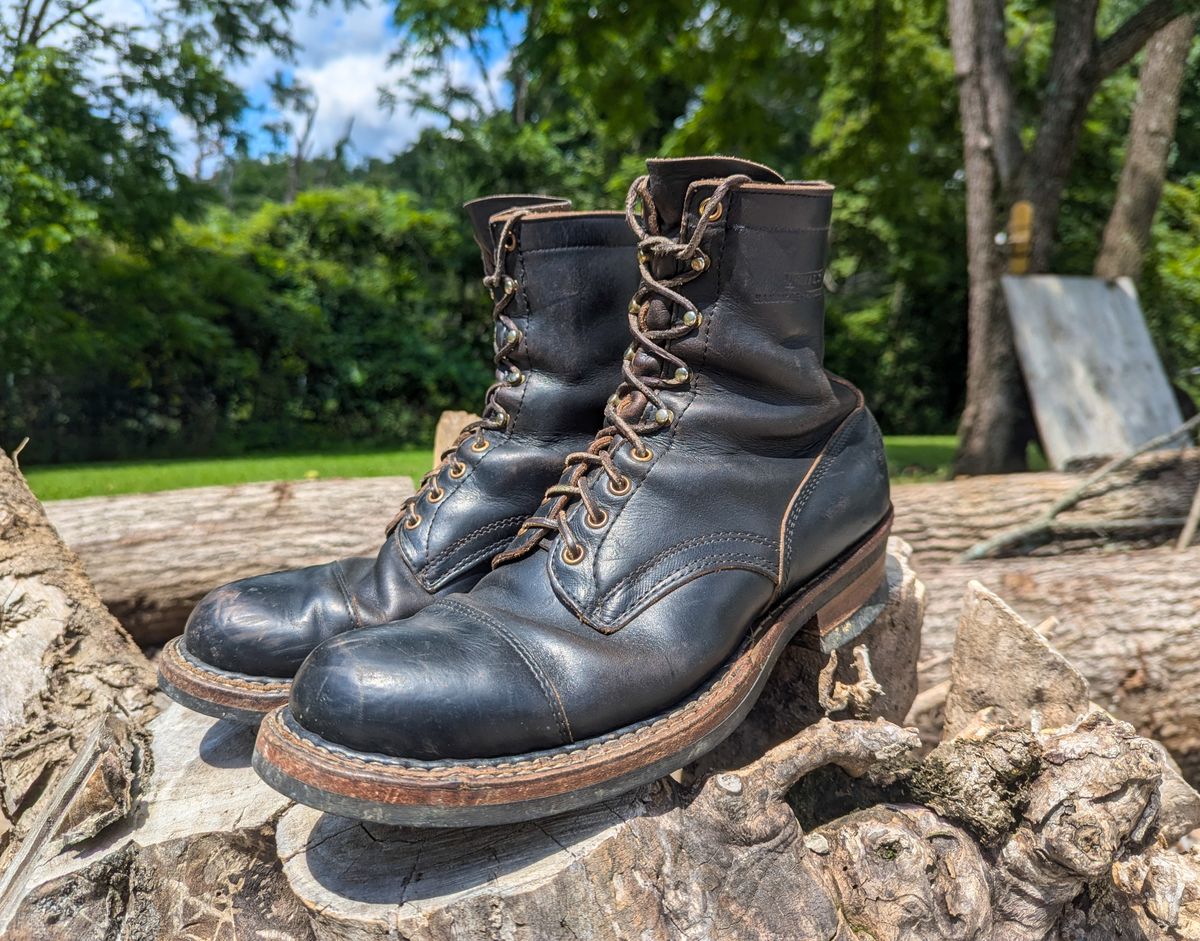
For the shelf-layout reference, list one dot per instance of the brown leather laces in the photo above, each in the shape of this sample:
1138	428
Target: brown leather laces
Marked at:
493	417
636	409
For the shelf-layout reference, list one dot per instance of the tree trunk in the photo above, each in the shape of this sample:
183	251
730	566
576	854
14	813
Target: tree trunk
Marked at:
994	429
1011	831
1147	150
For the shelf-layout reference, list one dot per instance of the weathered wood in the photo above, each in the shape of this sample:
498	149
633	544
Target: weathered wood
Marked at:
153	556
65	664
1130	622
943	520
1097	385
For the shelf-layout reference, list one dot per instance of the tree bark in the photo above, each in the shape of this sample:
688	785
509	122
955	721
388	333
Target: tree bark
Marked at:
1148	147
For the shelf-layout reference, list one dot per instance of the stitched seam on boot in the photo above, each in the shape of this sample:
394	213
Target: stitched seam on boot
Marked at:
682	546
833	450
461	565
459	543
344	588
547	687
713	563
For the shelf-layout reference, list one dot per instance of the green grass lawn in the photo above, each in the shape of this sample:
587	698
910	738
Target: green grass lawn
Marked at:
909	457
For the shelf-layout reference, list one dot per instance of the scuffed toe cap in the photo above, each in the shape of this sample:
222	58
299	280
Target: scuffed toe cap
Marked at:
267	625
438	685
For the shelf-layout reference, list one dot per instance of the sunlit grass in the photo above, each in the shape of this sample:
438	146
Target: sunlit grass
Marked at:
910	458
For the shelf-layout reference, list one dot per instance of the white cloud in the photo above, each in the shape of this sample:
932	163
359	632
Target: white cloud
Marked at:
344	55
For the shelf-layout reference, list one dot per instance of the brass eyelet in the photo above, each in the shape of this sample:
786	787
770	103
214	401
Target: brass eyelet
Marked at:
510	241
642	454
699	263
573	558
620	489
598	523
436	496
718	210
692	318
480	444
413	521
457	470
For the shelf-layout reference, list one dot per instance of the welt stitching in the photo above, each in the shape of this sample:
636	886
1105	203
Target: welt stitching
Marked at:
810	486
458	543
698	565
344	588
555	702
695	541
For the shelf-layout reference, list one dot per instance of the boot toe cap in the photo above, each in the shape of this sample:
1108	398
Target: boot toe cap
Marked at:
437	686
266	625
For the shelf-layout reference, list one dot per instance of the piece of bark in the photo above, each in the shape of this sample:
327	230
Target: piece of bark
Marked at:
193	858
65	665
153	556
1037	686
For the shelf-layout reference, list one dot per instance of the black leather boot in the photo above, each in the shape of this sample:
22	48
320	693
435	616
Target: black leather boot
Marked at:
737	497
561	282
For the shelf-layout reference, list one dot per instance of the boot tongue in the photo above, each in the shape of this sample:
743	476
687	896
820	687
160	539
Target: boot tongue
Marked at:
669	180
479	211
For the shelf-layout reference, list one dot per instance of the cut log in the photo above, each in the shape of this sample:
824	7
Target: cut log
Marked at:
943	520
65	666
1129	622
159	829
153	556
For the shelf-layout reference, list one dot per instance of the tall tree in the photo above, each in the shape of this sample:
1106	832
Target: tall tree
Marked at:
1008	160
1147	151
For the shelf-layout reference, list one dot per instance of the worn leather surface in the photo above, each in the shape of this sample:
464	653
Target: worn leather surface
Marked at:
771	470
574	274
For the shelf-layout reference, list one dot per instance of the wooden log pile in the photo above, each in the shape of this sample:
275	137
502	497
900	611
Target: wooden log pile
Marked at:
1036	815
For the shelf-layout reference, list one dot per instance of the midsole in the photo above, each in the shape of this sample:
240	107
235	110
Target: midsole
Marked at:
179	671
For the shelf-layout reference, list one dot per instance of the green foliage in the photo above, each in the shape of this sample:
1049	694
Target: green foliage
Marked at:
342	315
1171	286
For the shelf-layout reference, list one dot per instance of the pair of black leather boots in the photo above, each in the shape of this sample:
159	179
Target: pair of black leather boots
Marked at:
514	651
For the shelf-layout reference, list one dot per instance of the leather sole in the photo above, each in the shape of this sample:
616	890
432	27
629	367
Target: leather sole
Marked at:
219	693
484	792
